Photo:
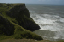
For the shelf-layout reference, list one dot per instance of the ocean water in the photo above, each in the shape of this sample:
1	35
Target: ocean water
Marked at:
51	20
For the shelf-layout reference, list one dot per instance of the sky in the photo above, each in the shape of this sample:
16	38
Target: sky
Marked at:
54	2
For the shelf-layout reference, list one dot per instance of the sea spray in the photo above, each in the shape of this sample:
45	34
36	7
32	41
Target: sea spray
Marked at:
50	19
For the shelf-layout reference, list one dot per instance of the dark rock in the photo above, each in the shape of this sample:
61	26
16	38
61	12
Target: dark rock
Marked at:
0	13
30	25
6	27
22	15
16	22
18	10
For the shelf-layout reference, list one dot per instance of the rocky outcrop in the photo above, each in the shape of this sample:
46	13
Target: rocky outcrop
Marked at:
6	28
22	15
15	22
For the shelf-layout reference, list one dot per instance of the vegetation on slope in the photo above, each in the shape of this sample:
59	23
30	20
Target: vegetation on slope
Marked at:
15	22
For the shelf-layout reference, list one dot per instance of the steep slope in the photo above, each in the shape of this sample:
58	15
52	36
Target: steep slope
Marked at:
22	15
15	22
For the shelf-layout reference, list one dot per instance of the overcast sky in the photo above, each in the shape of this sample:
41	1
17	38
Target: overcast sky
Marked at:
56	2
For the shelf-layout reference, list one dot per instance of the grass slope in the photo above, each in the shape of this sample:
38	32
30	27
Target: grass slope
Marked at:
9	28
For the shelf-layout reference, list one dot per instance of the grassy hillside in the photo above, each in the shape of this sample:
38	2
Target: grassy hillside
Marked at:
14	22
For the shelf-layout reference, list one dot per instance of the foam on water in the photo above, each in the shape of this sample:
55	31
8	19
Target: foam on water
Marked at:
41	20
61	19
49	17
50	22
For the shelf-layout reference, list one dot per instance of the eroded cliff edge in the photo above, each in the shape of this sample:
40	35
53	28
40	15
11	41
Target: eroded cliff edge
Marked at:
15	21
22	15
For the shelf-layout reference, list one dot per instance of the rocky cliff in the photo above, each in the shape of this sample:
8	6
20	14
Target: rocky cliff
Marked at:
15	21
22	15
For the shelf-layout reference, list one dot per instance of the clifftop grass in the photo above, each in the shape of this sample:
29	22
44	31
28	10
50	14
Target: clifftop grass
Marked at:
15	22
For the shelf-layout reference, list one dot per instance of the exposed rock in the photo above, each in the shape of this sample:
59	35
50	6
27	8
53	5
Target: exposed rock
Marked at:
22	15
6	27
16	22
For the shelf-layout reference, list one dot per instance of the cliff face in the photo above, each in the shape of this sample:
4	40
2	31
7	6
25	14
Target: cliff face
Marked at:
19	10
15	21
22	15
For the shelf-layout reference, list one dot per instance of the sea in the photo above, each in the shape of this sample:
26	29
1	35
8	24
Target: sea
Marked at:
51	20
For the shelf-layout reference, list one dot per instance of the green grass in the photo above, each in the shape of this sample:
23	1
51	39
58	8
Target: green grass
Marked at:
26	40
19	33
10	25
5	37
